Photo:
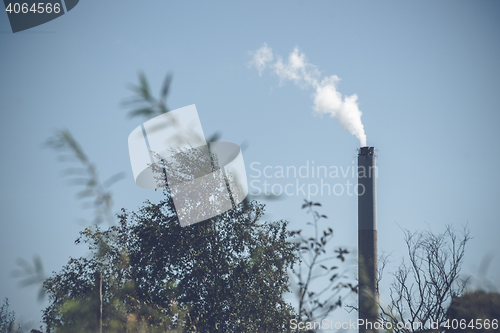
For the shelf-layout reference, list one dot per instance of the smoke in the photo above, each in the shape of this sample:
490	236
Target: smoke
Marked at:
327	99
261	57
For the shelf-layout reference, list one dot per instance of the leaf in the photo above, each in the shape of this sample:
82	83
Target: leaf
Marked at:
166	87
214	137
38	264
113	179
78	181
24	264
41	294
144	86
74	171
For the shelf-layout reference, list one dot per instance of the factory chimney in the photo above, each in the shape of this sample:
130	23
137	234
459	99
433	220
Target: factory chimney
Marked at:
367	240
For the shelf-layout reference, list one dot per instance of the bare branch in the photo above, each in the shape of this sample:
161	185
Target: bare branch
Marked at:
422	289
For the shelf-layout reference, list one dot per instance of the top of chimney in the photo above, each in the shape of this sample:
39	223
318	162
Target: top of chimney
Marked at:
364	151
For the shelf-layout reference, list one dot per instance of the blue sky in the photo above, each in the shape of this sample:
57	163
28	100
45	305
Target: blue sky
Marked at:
425	73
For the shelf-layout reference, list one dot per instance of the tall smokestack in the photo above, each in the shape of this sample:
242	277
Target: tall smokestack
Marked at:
367	239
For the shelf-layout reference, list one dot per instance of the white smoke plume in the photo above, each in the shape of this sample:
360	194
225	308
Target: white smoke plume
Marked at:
327	99
261	57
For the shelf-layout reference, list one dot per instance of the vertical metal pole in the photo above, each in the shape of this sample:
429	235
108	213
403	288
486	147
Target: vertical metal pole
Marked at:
98	294
367	240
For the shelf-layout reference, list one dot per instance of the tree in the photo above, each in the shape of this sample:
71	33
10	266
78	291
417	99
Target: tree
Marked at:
314	267
227	274
7	319
476	311
186	286
231	271
423	287
102	281
148	274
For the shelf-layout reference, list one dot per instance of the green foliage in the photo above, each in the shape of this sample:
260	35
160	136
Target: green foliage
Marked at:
227	274
143	103
315	265
230	271
86	175
148	274
74	293
7	319
31	274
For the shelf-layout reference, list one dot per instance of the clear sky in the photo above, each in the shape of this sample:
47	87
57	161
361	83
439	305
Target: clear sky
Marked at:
425	73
